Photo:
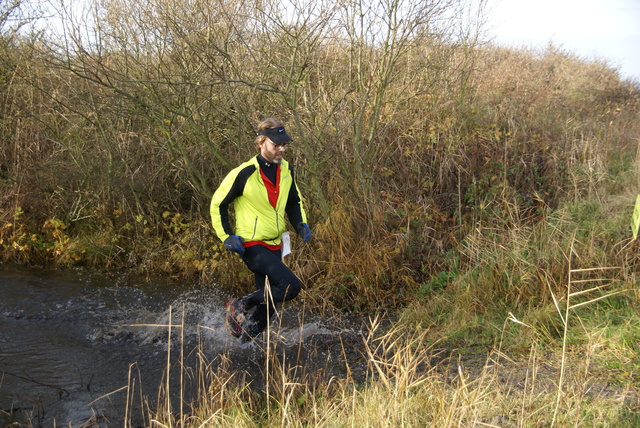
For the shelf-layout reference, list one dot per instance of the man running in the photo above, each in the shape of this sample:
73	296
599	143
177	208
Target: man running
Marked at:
262	190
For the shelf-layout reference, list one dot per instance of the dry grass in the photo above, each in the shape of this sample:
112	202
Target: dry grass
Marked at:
409	382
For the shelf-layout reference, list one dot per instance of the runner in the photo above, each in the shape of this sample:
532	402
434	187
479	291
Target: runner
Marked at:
262	190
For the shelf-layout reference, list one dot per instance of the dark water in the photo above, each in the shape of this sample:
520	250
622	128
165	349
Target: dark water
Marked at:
71	342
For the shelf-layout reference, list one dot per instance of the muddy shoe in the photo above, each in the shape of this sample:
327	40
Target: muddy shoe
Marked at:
236	315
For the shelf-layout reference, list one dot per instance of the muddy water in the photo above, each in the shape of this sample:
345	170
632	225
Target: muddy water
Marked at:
75	347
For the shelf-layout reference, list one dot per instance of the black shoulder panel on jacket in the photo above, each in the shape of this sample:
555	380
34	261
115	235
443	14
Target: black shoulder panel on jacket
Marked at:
237	188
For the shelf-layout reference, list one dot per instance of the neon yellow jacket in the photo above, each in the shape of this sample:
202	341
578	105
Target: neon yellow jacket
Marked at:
256	219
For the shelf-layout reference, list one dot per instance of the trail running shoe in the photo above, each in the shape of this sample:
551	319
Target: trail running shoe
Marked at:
236	315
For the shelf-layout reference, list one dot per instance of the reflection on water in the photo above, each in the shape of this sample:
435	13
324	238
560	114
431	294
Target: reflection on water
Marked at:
67	338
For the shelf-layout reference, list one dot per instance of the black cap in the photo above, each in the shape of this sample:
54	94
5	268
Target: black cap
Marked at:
277	135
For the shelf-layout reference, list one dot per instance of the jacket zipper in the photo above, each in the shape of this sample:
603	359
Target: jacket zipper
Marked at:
255	228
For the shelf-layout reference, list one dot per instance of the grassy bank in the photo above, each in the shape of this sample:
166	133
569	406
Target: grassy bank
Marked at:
414	377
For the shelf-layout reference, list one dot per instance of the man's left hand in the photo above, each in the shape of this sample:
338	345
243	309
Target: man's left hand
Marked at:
304	231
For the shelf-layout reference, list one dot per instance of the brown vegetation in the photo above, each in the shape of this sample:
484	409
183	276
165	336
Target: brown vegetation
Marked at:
457	179
407	140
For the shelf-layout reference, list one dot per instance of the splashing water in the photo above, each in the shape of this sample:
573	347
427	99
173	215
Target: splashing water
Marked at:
69	341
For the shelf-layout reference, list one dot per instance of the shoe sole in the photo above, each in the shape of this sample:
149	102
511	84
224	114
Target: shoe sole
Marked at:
233	326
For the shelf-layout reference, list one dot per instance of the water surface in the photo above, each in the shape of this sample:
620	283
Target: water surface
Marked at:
69	338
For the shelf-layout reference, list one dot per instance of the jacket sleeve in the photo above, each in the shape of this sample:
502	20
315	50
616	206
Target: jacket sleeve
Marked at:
295	210
231	187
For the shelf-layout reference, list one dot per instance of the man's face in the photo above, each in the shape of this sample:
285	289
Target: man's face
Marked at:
272	152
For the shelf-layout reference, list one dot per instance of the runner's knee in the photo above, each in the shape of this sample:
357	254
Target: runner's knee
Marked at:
293	289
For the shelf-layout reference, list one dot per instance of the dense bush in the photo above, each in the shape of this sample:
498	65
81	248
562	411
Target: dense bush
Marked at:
410	136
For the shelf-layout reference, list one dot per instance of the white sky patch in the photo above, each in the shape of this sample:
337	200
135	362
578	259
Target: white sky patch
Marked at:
605	29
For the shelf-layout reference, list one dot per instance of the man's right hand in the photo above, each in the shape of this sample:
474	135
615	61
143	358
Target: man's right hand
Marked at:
234	243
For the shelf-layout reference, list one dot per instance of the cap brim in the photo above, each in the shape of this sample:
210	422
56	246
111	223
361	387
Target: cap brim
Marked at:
279	138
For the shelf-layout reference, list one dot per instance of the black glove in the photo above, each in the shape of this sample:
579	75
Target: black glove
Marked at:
304	232
234	243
